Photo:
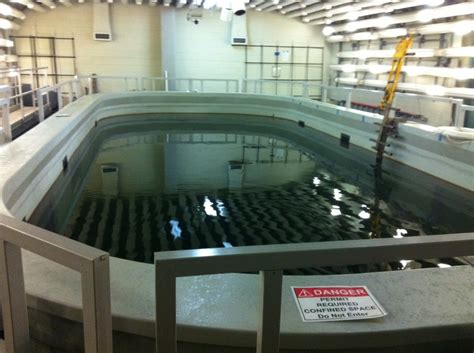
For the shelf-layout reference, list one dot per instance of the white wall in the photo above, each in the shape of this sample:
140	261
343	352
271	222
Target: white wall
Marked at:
135	49
204	50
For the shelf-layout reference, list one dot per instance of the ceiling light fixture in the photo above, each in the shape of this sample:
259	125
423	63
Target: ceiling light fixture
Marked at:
328	30
425	16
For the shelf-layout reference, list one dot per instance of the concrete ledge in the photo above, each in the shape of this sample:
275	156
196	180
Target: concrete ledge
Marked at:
424	305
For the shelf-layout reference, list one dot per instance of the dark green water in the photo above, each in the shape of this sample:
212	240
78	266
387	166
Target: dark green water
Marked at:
136	188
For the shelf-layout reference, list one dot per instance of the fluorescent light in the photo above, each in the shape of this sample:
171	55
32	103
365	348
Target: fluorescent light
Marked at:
384	22
6	24
6	43
460	92
435	91
352	16
434	3
377	70
328	30
351	27
348	68
463	27
363	36
425	16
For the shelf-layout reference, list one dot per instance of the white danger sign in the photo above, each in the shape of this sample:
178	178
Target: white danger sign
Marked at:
336	303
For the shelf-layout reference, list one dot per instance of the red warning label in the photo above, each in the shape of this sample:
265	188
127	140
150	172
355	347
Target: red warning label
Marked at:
340	303
310	292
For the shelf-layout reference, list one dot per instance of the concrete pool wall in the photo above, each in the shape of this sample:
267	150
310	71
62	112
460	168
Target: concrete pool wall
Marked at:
32	163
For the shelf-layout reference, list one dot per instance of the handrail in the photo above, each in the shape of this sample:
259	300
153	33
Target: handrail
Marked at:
93	265
231	86
74	85
270	260
458	118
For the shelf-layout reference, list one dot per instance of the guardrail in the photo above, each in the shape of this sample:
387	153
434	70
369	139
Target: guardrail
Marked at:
96	84
92	264
71	88
5	92
349	95
270	260
451	111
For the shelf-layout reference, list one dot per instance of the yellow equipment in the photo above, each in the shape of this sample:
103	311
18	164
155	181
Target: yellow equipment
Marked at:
386	104
387	126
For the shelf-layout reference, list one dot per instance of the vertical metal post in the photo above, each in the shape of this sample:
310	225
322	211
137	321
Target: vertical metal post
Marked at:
240	86
39	99
20	89
45	77
78	88
60	97
226	86
70	96
268	334
166	81
7	128
202	85
324	95
459	113
89	85
190	85
165	283
349	99
15	314
96	307
126	84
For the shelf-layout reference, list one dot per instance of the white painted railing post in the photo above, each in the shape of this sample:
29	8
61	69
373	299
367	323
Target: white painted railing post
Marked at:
96	307
70	95
89	85
349	99
40	103
15	315
190	85
459	113
166	81
7	128
60	98
324	95
268	332
78	88
240	86
165	289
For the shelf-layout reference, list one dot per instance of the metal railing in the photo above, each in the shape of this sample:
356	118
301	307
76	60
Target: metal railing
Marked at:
105	84
349	95
70	90
270	260
91	263
5	92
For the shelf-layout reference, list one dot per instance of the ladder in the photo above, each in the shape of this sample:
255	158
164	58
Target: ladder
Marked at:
388	126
